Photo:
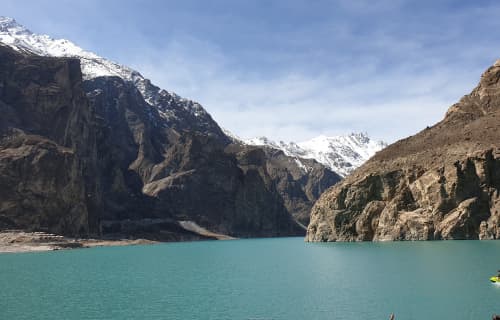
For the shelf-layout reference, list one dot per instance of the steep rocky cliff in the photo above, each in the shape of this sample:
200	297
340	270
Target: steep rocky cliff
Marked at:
95	158
299	181
442	183
46	144
153	170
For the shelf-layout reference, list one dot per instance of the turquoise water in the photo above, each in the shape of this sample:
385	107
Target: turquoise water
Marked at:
255	279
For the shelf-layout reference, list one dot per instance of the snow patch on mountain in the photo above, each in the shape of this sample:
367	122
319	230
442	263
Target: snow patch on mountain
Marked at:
342	154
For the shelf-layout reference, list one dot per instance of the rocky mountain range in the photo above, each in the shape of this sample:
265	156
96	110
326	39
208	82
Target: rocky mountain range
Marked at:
442	183
89	147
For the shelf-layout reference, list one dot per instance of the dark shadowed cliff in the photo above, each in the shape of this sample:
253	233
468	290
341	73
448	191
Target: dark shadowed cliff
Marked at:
47	144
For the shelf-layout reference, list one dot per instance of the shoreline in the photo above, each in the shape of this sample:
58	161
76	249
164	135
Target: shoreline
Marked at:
17	241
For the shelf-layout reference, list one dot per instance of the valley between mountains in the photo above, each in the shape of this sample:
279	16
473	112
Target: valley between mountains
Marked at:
91	149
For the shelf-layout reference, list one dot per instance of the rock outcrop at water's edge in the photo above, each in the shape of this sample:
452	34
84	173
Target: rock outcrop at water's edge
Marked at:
442	183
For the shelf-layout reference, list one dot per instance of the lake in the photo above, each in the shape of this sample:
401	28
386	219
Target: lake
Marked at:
255	279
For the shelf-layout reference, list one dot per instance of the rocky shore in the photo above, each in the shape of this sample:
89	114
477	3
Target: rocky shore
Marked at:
15	241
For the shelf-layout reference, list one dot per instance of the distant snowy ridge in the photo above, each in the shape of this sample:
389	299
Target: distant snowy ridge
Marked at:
23	40
342	154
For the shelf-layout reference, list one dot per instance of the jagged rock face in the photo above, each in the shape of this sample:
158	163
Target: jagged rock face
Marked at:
45	144
442	183
299	182
202	182
124	135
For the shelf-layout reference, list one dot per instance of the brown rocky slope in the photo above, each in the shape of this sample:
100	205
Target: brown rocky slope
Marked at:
442	183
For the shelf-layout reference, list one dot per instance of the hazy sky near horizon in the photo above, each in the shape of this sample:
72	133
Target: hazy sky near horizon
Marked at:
291	70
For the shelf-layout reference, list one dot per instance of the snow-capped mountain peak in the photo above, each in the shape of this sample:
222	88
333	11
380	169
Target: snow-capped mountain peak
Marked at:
11	26
342	154
22	39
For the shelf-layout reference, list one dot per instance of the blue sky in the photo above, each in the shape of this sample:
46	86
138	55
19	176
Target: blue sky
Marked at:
291	70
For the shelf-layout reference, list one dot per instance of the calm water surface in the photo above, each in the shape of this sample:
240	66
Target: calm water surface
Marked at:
255	279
